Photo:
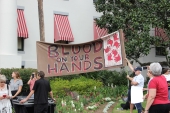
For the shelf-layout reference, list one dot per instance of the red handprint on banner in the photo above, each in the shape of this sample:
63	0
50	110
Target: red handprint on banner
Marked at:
110	42
114	52
117	58
107	49
116	44
115	36
109	57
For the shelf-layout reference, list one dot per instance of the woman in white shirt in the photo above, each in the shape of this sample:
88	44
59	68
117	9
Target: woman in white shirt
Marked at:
5	96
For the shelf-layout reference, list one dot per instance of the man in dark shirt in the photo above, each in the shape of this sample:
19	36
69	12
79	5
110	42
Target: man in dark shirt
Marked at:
40	90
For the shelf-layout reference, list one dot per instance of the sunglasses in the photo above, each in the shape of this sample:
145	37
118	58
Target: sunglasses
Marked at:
149	71
3	82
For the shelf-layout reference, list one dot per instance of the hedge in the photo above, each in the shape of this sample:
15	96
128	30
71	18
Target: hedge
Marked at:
61	87
104	77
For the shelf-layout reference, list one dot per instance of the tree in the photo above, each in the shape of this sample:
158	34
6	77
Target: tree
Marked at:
136	18
41	20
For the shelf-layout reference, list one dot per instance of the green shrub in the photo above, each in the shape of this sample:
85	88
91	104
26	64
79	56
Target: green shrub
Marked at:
119	91
105	76
109	77
81	85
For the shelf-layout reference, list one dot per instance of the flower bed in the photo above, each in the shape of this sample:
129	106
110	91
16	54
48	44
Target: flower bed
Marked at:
88	103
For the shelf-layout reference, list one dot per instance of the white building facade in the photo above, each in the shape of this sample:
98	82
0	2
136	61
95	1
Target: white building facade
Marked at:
21	52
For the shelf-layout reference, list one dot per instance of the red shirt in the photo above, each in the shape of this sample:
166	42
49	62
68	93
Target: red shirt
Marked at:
159	83
32	82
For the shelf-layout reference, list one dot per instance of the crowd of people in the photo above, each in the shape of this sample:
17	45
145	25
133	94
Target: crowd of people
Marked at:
39	89
157	96
158	89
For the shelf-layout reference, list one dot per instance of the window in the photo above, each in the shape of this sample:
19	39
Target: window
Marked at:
20	44
22	27
160	51
62	29
98	32
22	30
62	42
161	33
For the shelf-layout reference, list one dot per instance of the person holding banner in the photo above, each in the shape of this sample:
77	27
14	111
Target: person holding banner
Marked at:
137	84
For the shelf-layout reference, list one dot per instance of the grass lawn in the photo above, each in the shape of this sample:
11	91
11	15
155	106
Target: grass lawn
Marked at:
125	111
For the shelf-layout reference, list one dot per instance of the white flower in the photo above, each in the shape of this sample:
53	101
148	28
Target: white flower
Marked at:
78	97
91	107
62	102
82	104
71	102
120	10
65	103
112	85
107	106
107	99
94	87
73	105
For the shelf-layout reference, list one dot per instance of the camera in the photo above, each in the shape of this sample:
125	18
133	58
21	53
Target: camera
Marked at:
32	75
144	67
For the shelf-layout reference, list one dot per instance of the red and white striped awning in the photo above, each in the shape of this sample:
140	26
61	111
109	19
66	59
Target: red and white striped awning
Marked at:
22	28
161	33
62	29
98	32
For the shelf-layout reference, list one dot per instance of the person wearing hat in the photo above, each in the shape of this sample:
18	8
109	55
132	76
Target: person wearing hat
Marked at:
137	84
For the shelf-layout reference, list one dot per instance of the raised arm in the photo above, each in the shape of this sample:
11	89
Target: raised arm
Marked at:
29	81
130	65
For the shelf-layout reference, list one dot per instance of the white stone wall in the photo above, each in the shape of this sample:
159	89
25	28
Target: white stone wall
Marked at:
8	35
80	15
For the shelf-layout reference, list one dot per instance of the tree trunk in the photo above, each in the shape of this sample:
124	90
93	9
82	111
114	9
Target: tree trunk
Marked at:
41	20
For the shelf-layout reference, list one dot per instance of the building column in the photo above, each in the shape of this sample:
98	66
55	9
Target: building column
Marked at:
8	35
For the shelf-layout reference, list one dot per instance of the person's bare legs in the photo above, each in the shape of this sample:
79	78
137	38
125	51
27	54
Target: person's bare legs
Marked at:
131	108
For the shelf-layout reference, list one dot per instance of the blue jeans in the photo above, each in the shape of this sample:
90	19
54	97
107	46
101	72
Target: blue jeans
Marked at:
138	107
